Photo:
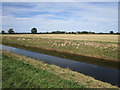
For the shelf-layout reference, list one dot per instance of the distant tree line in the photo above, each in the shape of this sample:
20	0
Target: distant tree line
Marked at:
34	31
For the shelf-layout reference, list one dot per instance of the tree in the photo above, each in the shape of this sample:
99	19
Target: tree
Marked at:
10	31
111	32
2	32
34	30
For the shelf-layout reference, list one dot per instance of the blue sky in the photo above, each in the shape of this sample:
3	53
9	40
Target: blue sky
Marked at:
65	16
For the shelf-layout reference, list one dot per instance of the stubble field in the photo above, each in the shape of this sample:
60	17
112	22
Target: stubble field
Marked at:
89	37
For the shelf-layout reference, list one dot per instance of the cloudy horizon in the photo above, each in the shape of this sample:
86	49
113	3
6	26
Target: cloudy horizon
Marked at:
65	16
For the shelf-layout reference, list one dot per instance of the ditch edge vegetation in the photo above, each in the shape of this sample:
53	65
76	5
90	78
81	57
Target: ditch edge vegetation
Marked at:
67	55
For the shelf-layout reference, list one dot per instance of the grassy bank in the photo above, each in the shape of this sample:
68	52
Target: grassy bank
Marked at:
20	71
99	49
18	74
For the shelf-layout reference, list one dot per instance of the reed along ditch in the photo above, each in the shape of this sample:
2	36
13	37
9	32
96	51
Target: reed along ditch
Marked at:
104	74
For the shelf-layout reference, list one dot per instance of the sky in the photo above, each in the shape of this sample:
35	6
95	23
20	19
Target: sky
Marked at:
64	16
